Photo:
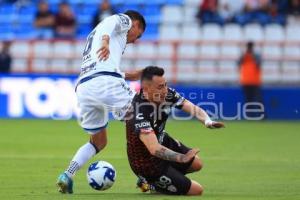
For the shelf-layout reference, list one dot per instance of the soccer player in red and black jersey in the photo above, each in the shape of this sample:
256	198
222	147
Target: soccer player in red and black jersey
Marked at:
154	156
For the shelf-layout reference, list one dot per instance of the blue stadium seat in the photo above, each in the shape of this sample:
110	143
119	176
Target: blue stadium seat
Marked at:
7	18
28	19
279	19
53	7
86	9
23	27
174	2
154	19
6	36
6	28
152	28
19	21
131	7
27	10
84	19
151	10
134	2
91	2
7	9
25	35
24	31
54	1
84	30
116	2
74	2
149	37
154	2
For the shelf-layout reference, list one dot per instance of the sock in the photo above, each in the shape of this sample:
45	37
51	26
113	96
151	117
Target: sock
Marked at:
83	154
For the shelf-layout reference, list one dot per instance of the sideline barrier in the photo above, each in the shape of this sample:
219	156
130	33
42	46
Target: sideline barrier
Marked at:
53	96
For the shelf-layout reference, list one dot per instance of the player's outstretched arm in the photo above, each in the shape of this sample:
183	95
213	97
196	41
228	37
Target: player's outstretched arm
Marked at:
133	75
162	152
103	52
201	115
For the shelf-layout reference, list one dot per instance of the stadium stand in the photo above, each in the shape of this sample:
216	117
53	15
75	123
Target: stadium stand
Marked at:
190	51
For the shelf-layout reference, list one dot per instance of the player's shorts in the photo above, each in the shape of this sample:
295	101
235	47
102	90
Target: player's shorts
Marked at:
173	179
99	96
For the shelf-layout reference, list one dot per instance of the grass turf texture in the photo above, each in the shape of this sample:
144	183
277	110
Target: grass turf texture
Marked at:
246	160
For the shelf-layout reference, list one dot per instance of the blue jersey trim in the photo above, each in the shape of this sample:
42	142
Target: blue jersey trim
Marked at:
85	79
95	129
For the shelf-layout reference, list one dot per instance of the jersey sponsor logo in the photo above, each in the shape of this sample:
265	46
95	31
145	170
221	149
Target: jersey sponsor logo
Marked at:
143	125
139	116
86	69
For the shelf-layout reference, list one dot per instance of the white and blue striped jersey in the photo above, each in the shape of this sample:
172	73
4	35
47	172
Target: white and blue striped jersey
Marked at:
117	27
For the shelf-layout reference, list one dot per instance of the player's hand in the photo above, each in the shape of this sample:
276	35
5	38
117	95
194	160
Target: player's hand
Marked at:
213	124
103	52
133	75
190	155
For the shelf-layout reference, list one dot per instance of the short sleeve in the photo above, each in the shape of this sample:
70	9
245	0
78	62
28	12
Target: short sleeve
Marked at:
175	98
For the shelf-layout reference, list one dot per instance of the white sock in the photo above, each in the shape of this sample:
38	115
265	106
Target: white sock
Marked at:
83	154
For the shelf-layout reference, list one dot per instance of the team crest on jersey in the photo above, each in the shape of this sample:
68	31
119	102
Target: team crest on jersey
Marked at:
124	20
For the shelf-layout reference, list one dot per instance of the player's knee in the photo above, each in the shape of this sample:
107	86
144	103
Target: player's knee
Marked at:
197	164
98	146
102	145
195	189
99	140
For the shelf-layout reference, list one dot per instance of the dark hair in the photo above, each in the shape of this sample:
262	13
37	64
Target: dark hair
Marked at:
134	15
151	71
250	45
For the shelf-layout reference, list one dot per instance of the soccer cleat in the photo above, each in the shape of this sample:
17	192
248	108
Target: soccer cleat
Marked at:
64	184
144	185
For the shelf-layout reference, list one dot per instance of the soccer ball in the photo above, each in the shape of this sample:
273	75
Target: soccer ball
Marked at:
101	175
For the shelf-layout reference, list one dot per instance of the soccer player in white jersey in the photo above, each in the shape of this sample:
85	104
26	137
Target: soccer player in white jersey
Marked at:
101	87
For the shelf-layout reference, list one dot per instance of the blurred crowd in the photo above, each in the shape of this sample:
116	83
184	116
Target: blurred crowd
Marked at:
247	11
63	23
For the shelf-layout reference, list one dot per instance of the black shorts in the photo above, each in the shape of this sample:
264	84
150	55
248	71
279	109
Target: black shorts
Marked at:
173	179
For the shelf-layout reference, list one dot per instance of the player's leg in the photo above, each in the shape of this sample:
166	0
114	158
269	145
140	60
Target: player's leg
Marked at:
196	165
175	183
97	142
94	121
195	188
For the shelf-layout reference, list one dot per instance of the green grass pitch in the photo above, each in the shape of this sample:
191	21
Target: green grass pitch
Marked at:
246	160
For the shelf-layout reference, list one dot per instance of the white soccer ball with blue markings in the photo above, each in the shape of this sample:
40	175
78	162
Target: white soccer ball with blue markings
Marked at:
101	175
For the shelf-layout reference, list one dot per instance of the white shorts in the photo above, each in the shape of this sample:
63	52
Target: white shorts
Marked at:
100	96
